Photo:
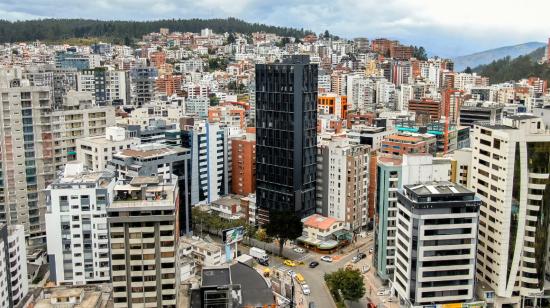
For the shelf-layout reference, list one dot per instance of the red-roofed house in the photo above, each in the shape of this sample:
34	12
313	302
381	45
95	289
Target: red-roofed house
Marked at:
324	234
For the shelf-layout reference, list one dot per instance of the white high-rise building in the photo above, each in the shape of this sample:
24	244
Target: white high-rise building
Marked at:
510	175
76	226
435	244
210	160
392	174
14	284
362	94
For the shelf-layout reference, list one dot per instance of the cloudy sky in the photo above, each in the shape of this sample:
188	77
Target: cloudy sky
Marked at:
445	27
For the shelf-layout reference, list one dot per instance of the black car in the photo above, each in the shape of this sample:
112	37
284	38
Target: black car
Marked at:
362	255
313	264
263	262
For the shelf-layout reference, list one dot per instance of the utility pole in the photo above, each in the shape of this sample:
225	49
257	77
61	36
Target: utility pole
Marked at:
292	304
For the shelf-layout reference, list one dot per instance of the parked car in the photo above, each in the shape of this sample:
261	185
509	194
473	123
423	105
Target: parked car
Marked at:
370	251
289	263
366	268
313	264
305	289
291	273
326	258
299	250
356	259
362	255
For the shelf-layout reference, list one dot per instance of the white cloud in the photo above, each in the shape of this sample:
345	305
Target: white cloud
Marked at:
443	26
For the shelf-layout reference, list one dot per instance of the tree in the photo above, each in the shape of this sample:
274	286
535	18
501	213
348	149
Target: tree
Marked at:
230	38
347	281
284	226
468	70
326	35
420	53
282	43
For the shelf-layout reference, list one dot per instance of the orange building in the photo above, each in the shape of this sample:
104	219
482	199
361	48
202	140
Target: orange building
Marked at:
333	104
243	150
383	46
400	144
360	119
228	114
426	108
373	179
169	84
401	52
158	59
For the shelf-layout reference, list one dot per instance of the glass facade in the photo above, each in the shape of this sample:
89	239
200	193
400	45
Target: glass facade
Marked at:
286	135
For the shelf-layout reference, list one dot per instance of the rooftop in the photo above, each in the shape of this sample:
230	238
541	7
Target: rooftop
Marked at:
216	276
144	191
186	241
522	117
76	174
150	150
319	222
255	291
437	188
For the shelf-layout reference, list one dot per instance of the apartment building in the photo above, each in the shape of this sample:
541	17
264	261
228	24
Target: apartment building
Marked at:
153	159
228	114
211	160
342	185
331	103
392	174
26	154
76	225
96	152
510	174
243	164
143	234
142	84
408	143
435	244
476	111
76	122
107	85
14	284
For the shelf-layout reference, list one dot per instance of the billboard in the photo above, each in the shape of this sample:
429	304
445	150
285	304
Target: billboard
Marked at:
234	235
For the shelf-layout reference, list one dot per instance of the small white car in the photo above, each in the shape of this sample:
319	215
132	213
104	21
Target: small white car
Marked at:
291	273
299	250
305	289
371	250
326	258
383	292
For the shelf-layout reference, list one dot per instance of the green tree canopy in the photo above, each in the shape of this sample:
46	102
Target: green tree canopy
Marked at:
347	281
420	53
284	226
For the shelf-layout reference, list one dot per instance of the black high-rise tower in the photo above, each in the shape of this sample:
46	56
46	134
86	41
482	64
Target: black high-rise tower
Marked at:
286	136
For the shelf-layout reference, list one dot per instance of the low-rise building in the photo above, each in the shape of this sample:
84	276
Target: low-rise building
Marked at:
96	152
323	234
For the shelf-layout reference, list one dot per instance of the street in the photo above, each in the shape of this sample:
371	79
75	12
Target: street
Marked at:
314	277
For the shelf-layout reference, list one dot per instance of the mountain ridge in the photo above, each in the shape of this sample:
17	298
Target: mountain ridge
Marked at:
65	28
487	56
